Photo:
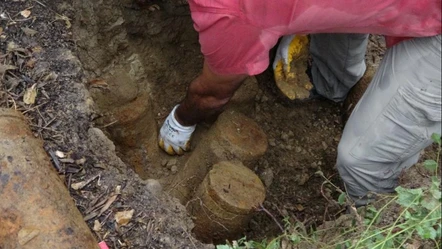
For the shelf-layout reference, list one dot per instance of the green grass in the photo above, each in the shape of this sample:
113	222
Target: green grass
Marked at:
418	218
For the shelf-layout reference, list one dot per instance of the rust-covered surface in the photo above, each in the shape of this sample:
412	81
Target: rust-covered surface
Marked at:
225	201
232	137
36	210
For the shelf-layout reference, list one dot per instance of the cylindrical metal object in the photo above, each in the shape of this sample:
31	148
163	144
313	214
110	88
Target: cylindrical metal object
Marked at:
232	137
135	122
36	210
225	201
135	133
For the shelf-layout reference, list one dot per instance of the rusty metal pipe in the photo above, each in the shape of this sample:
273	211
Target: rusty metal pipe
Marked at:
36	210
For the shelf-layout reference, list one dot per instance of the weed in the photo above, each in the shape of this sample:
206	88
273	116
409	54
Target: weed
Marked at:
418	219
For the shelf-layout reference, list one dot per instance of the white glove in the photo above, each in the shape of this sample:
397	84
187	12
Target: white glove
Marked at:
282	56
290	65
174	138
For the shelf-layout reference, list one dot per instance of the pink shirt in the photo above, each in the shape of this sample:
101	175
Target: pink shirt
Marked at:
236	35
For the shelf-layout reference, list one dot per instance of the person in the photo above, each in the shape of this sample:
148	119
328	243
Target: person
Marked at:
394	119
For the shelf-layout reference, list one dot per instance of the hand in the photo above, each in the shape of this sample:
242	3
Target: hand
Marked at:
174	138
290	66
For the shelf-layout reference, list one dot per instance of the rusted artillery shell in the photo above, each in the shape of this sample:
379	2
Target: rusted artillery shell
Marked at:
232	137
225	201
36	210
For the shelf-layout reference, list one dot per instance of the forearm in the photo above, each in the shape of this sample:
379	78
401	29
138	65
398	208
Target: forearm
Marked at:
207	95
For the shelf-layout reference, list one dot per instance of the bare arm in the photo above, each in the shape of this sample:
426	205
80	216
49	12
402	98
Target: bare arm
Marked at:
207	95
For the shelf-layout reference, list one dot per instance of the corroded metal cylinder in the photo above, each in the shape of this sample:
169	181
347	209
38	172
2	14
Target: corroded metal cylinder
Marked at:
36	210
232	137
225	202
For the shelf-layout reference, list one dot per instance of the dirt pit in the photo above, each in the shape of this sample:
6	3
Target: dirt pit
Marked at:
133	66
138	64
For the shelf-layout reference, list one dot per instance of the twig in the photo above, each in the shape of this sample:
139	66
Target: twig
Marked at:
40	3
262	208
190	237
106	125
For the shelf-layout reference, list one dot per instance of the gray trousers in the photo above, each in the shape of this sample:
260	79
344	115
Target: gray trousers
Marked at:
395	118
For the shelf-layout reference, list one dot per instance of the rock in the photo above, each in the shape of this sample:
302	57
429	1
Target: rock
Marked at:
154	186
272	142
298	149
264	98
174	169
267	177
303	178
171	163
285	137
324	145
164	163
314	165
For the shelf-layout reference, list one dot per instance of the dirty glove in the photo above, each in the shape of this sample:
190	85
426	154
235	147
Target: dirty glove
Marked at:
290	66
174	138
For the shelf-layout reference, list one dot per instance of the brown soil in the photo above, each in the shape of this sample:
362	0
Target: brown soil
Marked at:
98	64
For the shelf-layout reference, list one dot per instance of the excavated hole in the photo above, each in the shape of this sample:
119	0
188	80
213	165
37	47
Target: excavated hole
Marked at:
139	63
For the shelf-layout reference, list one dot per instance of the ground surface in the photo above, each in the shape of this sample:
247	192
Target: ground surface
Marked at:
126	53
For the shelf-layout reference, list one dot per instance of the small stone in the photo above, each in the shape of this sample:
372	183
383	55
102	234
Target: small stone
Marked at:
324	145
314	165
171	163
164	162
272	142
291	134
174	169
154	187
264	98
267	177
285	137
298	149
303	179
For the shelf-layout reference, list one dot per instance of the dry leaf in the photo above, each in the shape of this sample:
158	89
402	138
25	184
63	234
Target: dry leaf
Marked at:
25	13
78	185
4	68
31	63
63	18
299	207
82	184
122	218
30	95
29	32
97	226
36	49
108	204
